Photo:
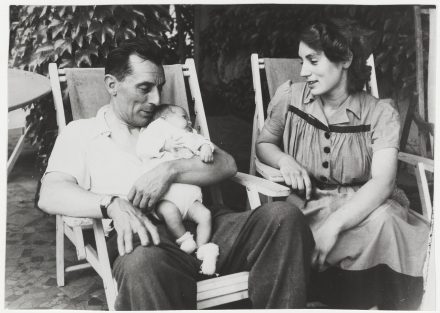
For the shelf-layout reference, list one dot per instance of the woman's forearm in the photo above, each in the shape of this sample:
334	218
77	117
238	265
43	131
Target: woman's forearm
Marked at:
369	197
269	154
372	194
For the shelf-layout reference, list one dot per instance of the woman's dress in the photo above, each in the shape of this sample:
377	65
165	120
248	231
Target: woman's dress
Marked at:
337	152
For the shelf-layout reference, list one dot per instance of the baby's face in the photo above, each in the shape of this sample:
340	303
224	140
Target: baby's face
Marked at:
179	118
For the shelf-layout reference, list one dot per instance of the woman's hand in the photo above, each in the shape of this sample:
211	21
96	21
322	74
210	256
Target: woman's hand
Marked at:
325	240
151	186
295	175
128	220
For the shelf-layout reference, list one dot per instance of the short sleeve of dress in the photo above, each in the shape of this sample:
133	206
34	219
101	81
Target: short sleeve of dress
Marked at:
277	109
385	126
69	153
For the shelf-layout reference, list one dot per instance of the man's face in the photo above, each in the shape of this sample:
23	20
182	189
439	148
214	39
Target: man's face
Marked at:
138	94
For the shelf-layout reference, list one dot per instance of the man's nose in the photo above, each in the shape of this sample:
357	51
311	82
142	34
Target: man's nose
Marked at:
154	96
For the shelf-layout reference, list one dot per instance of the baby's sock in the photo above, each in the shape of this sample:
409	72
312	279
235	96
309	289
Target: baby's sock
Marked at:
208	253
187	243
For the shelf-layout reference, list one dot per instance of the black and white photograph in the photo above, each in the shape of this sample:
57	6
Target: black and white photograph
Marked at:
303	131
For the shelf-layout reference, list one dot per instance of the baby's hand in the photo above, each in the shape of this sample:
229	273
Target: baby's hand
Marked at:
206	153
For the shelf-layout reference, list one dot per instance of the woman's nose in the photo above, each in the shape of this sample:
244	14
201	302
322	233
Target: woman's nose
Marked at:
304	71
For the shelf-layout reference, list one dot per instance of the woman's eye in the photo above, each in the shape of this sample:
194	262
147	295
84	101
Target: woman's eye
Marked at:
313	62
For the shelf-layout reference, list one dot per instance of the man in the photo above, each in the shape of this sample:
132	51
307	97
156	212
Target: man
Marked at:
95	159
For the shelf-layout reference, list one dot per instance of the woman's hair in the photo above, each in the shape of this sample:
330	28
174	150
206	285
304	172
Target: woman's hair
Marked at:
340	39
118	64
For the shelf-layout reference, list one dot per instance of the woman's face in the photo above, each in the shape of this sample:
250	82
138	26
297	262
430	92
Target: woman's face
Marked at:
324	77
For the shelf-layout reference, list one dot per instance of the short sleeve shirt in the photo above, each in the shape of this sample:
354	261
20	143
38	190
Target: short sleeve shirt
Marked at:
336	149
85	151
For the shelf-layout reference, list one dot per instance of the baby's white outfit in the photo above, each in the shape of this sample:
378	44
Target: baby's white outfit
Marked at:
150	150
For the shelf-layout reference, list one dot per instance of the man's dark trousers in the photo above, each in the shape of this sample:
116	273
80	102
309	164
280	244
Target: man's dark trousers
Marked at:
273	243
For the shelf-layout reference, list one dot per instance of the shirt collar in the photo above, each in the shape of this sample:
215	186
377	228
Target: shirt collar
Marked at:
101	123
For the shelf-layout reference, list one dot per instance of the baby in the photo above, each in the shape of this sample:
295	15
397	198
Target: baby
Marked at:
171	137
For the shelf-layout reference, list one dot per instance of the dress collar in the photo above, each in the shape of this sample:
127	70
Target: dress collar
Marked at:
314	107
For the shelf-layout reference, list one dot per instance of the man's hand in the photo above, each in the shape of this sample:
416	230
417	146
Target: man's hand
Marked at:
151	186
295	175
128	220
206	153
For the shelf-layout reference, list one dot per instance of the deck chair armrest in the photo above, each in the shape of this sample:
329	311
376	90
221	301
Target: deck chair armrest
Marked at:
415	159
269	172
261	185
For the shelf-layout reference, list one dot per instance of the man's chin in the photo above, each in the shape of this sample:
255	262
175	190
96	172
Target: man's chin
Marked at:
142	122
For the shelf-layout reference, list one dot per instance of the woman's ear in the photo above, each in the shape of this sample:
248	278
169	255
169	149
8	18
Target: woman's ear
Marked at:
346	64
111	84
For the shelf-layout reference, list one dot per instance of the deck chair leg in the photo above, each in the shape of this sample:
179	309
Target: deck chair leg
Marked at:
60	250
104	263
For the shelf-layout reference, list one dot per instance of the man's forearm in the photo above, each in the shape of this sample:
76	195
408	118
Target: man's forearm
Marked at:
195	172
61	196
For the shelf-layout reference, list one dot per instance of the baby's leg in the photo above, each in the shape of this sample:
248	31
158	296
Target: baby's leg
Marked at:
170	213
202	216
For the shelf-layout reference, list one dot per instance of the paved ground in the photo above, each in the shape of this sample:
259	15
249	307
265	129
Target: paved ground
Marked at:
30	278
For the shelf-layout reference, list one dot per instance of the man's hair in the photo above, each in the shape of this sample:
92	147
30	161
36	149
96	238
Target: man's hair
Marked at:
164	110
339	39
118	64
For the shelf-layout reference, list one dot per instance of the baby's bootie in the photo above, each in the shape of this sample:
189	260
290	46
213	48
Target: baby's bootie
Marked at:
208	253
187	243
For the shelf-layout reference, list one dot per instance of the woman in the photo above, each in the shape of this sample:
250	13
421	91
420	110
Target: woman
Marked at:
339	149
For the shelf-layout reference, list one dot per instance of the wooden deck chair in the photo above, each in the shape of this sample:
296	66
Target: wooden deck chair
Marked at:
278	71
87	86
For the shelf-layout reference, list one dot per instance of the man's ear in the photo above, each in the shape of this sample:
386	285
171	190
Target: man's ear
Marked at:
111	83
346	64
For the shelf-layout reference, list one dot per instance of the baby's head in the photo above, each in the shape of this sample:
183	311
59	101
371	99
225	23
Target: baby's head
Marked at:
173	114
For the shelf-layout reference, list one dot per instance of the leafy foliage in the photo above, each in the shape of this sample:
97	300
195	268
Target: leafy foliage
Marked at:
82	36
237	31
75	36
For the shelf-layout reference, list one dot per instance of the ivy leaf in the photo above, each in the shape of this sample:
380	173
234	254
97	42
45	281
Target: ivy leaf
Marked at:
54	22
82	57
67	46
61	10
67	63
43	11
58	29
58	43
41	36
129	33
388	25
95	27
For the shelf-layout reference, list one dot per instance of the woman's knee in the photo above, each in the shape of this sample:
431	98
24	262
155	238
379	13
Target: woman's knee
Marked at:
383	215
